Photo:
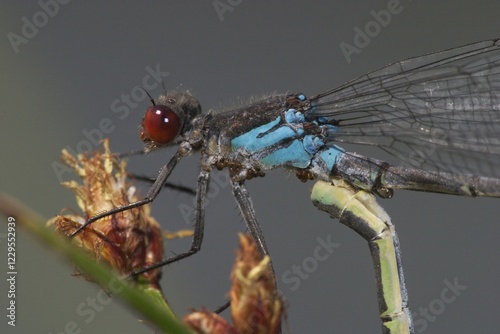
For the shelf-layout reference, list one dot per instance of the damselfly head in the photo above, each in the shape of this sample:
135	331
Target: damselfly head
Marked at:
168	117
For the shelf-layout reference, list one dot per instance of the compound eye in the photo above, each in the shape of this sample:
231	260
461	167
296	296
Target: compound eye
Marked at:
161	124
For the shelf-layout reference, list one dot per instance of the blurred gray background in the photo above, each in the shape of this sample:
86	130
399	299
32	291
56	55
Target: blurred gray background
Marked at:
65	79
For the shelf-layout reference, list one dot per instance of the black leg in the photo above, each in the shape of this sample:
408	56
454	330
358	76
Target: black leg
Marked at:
169	185
245	205
152	179
150	196
222	308
131	153
199	226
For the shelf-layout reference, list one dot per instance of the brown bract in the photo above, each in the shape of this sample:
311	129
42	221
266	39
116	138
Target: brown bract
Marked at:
256	307
128	240
207	322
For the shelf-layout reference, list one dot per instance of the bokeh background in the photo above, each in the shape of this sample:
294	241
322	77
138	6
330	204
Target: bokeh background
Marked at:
65	79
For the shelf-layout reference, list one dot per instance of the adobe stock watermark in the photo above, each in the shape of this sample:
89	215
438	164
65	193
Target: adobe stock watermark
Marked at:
218	182
363	36
298	273
88	309
31	27
436	307
223	6
121	108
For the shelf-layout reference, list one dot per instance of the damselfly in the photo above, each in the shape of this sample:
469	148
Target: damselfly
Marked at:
438	113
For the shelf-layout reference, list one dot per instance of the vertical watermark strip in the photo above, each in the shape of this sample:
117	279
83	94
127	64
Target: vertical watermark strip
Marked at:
11	271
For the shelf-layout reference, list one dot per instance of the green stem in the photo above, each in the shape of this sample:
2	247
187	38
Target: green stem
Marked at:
149	303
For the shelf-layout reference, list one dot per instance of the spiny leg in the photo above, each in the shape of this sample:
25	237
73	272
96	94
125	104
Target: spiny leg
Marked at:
245	205
360	211
150	196
152	179
168	185
199	226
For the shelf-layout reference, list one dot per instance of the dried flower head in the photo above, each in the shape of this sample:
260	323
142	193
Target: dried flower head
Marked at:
255	304
128	240
207	322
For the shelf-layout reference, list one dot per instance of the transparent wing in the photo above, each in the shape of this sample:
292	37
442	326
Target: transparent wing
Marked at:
438	112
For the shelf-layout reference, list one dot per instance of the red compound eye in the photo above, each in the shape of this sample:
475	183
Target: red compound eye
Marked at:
161	124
